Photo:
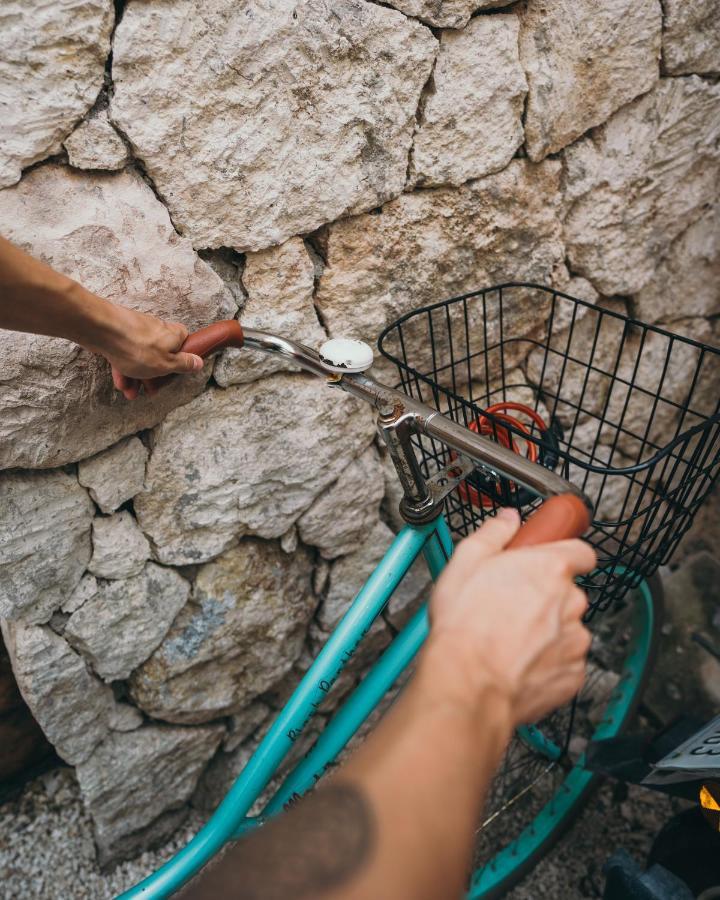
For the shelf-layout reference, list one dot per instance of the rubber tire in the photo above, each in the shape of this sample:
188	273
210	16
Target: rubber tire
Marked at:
517	874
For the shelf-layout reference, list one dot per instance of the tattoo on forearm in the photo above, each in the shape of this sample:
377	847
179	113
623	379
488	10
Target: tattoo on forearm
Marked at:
319	845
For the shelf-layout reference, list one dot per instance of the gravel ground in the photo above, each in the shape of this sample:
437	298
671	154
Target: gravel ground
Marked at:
47	849
47	852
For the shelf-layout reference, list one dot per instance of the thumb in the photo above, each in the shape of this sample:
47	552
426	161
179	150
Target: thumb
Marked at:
183	363
492	537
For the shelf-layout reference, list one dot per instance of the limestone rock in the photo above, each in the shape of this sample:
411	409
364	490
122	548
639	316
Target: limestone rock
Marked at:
71	705
165	828
57	402
429	245
348	574
343	515
640	181
229	265
115	475
44	542
687	281
52	64
584	61
239	635
657	366
572	370
244	723
290	541
208	94
119	627
96	145
691	37
133	779
120	549
125	717
87	588
471	121
246	460
280	284
445	13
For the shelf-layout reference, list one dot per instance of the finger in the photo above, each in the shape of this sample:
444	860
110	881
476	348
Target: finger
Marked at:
119	380
150	386
183	363
576	557
576	604
553	693
574	643
129	387
180	335
494	534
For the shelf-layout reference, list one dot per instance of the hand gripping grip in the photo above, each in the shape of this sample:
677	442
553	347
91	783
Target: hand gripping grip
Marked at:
215	337
211	339
559	518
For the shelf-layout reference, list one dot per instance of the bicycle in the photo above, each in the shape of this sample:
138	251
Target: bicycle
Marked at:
456	439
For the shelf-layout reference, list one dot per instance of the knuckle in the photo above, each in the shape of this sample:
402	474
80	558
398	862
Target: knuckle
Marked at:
584	640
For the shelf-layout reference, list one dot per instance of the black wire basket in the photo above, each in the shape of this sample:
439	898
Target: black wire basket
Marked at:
628	412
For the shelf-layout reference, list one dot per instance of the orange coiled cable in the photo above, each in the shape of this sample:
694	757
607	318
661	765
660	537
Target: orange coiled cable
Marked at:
483	425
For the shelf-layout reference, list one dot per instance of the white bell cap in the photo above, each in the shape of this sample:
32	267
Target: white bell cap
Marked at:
346	355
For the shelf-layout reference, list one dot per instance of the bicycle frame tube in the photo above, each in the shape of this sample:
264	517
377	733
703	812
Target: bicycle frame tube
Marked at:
376	683
229	820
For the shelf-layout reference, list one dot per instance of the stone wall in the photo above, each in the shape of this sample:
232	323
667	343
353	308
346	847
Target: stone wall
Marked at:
318	167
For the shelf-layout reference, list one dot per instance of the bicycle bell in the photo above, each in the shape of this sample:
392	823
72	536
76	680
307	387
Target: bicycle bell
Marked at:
346	355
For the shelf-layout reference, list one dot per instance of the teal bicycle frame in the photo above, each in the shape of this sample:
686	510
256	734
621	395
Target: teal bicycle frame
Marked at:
231	819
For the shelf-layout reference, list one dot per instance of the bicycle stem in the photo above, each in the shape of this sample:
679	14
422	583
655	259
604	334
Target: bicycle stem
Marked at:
400	417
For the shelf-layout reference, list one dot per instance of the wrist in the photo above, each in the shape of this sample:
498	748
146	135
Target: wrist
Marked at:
465	687
93	322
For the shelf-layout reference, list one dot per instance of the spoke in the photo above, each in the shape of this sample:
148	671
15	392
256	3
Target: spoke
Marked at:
508	803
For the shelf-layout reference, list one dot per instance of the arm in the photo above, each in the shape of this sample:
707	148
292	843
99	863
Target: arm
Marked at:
35	298
397	821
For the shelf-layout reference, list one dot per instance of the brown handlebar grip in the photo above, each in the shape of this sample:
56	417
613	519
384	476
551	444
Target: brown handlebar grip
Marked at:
217	336
211	339
559	518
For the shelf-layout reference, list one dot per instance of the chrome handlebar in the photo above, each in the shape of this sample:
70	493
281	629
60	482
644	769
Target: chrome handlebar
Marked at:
494	459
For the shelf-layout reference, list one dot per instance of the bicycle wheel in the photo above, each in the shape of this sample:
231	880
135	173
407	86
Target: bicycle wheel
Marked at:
541	784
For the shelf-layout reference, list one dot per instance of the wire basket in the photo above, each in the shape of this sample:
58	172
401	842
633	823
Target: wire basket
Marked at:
630	413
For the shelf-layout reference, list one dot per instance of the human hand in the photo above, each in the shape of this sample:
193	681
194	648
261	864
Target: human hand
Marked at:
141	347
511	620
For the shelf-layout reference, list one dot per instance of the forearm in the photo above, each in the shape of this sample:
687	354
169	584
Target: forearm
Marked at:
37	299
425	773
397	821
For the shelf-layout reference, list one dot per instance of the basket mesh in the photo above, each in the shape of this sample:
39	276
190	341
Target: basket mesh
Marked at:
630	413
